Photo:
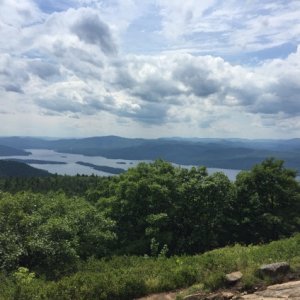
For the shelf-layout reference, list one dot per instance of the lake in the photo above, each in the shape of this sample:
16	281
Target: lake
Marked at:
72	168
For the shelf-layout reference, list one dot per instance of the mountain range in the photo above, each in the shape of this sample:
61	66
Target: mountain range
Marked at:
214	153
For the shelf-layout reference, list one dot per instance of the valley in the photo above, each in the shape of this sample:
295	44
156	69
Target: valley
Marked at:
227	155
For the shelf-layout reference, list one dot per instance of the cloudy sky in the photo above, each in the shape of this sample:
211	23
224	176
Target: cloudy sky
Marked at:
150	68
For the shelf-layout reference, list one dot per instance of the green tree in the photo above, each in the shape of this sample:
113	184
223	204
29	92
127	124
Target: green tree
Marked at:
140	202
186	210
50	233
268	202
203	211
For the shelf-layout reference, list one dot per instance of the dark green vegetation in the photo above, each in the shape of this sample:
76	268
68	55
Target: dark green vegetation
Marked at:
107	169
9	151
14	168
38	162
90	187
87	237
219	153
125	278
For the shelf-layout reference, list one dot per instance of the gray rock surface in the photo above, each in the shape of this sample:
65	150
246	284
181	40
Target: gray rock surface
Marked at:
215	296
288	290
220	296
194	296
275	269
233	277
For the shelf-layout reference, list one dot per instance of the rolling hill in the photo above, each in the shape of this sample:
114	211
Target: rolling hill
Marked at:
9	151
214	152
18	169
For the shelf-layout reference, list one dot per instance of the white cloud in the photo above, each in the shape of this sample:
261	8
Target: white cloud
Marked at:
19	13
229	27
68	65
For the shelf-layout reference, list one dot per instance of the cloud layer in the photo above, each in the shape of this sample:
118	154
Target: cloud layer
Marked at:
67	67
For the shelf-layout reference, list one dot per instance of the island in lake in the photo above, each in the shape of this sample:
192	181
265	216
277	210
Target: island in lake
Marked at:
106	169
38	161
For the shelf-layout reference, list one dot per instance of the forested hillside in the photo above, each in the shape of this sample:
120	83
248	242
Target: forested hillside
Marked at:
9	151
239	154
61	225
11	168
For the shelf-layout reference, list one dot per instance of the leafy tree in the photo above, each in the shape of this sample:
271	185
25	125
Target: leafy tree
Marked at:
154	208
91	187
140	202
268	202
203	211
186	210
50	233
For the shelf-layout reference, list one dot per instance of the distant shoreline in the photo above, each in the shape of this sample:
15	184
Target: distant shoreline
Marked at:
36	161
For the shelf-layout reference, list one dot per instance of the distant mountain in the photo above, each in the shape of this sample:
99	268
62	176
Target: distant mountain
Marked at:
212	152
18	169
213	155
104	142
9	151
24	142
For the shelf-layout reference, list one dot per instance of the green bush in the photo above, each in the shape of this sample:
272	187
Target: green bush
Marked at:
128	277
50	233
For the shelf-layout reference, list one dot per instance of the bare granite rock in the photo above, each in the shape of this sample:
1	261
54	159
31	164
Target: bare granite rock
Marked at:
220	296
274	270
233	277
160	296
196	296
288	290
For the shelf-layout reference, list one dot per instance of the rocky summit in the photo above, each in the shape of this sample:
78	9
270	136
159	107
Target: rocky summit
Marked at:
288	290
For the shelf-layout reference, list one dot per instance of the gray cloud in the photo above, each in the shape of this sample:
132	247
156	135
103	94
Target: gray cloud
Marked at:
90	29
60	105
83	63
149	113
61	102
145	90
123	78
42	69
157	90
70	53
283	97
288	94
13	74
262	90
13	88
3	112
198	79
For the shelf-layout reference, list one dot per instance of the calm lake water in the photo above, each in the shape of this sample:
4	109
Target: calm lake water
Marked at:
71	168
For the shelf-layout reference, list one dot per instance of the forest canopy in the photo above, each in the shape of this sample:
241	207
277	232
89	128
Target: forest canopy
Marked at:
51	224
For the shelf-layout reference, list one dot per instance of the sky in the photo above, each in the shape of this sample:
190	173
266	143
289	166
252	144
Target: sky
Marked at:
150	68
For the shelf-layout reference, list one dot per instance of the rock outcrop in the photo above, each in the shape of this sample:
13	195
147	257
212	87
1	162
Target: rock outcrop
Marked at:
233	277
275	269
288	290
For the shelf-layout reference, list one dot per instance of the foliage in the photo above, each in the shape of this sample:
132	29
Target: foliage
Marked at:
187	211
50	233
92	187
183	209
129	277
268	201
82	231
10	168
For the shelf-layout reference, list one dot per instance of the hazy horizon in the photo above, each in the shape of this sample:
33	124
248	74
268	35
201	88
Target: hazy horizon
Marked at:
140	137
